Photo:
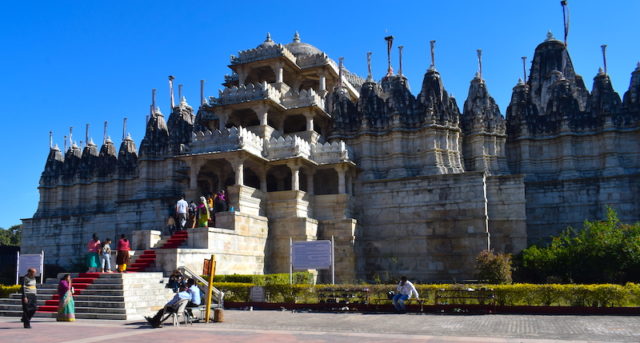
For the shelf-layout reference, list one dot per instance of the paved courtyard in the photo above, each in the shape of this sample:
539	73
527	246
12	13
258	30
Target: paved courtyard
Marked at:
270	326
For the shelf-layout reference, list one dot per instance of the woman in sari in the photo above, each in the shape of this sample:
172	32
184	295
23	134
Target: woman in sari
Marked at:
203	213
122	256
66	306
92	258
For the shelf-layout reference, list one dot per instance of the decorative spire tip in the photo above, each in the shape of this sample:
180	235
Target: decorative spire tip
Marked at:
296	37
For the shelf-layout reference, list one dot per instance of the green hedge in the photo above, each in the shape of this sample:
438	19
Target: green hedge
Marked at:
5	291
298	278
601	295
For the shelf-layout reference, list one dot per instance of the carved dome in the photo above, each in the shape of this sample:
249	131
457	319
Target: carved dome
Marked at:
298	48
267	42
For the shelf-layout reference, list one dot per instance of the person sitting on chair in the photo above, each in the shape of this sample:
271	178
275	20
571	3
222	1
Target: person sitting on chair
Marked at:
171	307
193	289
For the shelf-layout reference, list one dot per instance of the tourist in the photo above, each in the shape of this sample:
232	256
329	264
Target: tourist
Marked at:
193	208
122	256
66	306
106	256
405	291
93	254
203	213
221	201
181	211
196	298
176	280
171	307
29	297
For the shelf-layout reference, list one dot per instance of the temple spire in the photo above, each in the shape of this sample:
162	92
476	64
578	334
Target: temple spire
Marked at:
296	37
524	68
389	40
268	39
171	78
604	56
479	52
433	54
70	136
370	75
65	144
50	139
180	91
202	101
400	59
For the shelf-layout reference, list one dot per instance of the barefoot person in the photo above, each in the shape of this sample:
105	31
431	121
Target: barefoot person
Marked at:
93	254
122	257
29	297
66	305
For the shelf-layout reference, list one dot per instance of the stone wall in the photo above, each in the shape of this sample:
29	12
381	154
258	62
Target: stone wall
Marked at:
506	207
428	228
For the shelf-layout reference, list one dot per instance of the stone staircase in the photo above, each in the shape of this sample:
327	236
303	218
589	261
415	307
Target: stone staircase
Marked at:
148	257
100	296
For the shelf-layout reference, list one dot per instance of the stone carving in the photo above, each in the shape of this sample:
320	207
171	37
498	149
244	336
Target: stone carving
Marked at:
287	147
245	93
328	153
225	140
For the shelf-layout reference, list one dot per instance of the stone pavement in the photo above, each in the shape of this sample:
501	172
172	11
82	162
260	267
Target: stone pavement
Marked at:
270	326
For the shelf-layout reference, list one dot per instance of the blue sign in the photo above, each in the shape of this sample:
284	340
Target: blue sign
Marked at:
311	255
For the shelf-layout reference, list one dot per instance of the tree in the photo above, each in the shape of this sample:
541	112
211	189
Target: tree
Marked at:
11	236
603	251
493	268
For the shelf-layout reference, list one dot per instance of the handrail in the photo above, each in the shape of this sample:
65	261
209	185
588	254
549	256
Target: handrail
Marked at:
218	294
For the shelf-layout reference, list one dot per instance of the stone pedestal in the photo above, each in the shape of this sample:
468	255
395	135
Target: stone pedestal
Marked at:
287	204
246	199
143	239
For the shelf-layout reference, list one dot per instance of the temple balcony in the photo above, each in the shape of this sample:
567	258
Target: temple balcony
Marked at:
224	140
329	153
287	147
304	98
263	53
247	93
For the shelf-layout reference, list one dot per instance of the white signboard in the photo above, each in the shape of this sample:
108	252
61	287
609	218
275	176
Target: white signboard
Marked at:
256	294
27	261
311	255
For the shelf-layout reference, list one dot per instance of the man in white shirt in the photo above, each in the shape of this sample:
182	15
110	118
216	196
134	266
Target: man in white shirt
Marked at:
181	210
405	290
172	306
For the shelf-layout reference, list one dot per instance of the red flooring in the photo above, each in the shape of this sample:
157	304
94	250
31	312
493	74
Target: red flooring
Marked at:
148	257
79	284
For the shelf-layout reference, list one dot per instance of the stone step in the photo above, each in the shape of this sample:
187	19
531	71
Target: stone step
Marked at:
107	316
79	309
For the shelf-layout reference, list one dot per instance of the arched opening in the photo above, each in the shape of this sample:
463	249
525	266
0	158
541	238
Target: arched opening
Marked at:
325	182
279	179
261	74
245	118
250	178
295	123
215	175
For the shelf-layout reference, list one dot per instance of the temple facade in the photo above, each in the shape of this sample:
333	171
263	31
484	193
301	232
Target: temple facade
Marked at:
405	184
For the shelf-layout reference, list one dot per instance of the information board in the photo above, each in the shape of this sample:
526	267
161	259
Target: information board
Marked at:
27	261
311	255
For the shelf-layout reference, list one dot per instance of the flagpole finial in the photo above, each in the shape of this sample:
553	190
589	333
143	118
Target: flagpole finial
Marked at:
171	99
389	40
524	68
604	56
479	53
370	75
433	54
400	47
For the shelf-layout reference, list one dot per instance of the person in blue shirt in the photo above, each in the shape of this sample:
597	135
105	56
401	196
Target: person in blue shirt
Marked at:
196	297
170	307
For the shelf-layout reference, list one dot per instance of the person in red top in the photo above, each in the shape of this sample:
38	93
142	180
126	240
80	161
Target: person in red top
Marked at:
93	259
122	257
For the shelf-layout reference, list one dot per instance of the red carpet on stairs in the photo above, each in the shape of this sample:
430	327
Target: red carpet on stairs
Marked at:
149	256
79	284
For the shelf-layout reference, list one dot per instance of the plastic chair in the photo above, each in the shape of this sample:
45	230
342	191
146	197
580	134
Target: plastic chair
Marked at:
181	311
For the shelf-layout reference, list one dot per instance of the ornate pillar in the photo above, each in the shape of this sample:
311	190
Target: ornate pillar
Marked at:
238	168
322	86
341	169
279	71
262	112
309	116
263	180
310	172
295	175
194	169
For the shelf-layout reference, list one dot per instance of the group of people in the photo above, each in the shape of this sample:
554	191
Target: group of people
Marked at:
98	257
202	214
66	305
186	292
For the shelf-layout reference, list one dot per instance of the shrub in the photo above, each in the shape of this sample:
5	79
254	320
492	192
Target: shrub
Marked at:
493	268
7	290
268	279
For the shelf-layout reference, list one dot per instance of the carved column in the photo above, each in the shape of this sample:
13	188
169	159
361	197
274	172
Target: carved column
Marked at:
310	172
322	87
262	112
341	169
279	71
295	176
263	181
309	116
238	168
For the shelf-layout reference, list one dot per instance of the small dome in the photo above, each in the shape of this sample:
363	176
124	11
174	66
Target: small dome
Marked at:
298	48
267	42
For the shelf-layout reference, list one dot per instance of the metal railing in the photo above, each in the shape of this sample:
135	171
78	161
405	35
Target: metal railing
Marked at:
218	295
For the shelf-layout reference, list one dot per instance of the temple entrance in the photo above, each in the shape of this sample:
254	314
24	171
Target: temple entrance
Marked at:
215	175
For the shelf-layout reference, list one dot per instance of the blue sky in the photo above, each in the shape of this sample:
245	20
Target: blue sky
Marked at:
68	63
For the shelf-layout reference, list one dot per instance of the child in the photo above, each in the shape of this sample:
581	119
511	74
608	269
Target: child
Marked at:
106	256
